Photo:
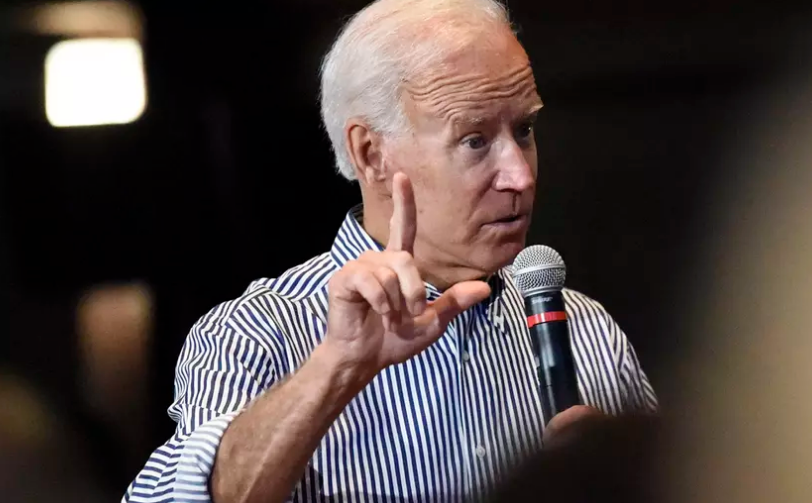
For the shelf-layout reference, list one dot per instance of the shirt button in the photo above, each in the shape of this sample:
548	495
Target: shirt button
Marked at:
465	356
480	451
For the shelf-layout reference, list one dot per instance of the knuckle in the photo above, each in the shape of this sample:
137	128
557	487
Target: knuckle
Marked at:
417	292
367	255
339	277
358	266
333	283
402	258
352	270
350	267
378	297
387	276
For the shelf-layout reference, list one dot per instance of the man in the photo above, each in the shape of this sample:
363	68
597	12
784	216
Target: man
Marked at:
397	366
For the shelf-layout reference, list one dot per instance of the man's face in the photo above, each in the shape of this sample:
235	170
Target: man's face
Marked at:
471	155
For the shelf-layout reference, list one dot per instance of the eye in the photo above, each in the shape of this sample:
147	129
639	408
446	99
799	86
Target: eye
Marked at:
475	142
525	130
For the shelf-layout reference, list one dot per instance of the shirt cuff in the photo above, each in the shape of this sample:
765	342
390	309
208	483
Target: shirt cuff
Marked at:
197	459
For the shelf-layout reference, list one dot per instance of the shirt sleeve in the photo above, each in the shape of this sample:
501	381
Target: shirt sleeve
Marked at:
638	393
219	372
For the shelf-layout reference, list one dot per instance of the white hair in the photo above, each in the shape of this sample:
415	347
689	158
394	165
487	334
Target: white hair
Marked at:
384	45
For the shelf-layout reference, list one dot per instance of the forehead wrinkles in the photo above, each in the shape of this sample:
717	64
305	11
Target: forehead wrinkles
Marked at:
447	96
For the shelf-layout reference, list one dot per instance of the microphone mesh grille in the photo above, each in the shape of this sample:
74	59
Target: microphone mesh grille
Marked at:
538	267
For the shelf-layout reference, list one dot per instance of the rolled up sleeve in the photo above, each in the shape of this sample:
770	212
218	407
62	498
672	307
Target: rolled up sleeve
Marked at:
219	372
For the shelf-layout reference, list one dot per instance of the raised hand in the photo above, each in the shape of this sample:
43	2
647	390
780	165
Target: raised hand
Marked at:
378	313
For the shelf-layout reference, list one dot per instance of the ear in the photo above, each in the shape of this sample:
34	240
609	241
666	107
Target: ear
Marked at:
365	148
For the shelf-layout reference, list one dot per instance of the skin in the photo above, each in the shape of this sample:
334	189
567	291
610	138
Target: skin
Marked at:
470	155
435	196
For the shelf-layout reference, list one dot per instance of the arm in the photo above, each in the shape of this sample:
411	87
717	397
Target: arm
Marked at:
218	372
226	444
638	394
266	449
377	316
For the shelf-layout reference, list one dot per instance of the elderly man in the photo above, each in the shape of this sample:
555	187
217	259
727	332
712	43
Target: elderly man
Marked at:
397	366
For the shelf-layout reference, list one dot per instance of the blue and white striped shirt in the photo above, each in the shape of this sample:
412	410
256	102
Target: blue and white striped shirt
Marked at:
443	426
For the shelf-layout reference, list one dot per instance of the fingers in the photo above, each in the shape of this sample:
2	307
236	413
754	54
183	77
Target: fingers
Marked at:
402	231
411	284
454	301
562	427
403	225
397	285
400	272
460	297
389	281
379	288
369	287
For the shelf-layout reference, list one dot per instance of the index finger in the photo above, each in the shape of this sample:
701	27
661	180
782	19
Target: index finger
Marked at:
403	225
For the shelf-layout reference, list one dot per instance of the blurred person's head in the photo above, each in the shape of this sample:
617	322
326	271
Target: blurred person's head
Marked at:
744	427
740	426
601	458
442	91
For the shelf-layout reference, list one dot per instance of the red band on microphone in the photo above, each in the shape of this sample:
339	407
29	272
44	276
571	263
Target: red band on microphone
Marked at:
545	317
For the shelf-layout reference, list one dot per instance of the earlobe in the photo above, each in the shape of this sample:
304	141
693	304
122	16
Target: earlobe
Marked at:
379	174
364	149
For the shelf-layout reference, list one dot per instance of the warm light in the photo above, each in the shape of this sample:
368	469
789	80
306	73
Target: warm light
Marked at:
94	81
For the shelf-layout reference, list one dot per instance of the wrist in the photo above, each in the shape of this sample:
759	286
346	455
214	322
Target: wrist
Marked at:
347	376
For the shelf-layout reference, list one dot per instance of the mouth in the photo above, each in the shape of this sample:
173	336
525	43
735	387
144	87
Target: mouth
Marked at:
508	220
510	223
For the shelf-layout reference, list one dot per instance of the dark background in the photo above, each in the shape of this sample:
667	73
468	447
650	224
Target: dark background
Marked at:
214	186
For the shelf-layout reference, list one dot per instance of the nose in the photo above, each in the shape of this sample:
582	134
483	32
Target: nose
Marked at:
515	172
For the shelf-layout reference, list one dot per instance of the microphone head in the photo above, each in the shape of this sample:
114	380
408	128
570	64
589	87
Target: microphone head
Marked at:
539	268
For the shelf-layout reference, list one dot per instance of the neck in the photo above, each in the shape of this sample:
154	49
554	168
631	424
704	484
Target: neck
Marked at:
434	269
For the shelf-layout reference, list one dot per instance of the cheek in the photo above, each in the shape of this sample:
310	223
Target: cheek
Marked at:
447	193
444	213
531	157
456	195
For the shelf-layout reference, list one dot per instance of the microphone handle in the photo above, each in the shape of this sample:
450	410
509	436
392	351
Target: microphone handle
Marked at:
550	335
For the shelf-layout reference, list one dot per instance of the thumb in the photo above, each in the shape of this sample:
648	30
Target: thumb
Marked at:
452	302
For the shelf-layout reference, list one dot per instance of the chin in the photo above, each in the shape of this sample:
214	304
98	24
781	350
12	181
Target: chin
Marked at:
499	255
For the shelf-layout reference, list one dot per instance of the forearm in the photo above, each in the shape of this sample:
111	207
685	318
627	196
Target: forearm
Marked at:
265	451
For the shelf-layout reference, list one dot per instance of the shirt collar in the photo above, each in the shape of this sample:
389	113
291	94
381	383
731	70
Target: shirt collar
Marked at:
352	241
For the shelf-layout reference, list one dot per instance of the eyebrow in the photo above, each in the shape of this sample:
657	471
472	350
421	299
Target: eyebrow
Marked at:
476	120
534	110
469	120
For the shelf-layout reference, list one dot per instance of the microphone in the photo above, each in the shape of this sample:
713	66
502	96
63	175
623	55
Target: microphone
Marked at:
539	273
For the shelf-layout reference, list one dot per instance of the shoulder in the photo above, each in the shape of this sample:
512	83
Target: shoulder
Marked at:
297	283
265	308
583	309
582	305
589	320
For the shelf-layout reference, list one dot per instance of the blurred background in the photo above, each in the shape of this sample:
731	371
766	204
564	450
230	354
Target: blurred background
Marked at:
155	157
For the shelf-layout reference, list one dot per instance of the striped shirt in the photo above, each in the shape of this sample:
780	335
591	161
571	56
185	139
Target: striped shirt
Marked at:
445	425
